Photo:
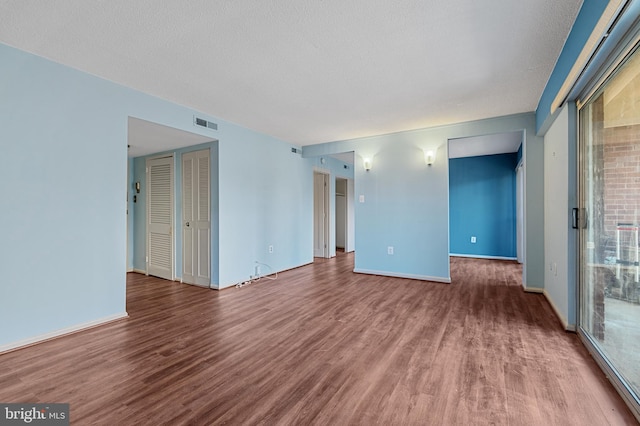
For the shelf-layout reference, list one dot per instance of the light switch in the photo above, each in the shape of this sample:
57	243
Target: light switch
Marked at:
361	199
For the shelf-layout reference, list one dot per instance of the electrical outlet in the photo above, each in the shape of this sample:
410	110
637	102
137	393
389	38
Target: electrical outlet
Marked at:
270	249
257	271
390	250
473	240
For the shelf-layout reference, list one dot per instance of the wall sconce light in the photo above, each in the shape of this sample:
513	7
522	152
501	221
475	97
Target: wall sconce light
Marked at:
429	157
367	164
137	187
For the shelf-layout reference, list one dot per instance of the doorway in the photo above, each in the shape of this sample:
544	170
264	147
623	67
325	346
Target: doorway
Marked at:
520	212
483	196
320	214
345	215
341	214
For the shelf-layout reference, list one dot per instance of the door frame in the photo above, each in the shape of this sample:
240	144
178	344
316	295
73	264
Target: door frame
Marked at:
618	56
520	211
326	210
345	213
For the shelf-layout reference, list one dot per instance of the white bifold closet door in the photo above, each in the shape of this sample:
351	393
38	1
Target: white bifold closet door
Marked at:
196	218
160	217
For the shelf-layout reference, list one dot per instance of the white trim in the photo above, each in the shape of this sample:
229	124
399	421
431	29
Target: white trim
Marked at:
139	271
322	170
537	290
401	275
480	256
563	320
62	332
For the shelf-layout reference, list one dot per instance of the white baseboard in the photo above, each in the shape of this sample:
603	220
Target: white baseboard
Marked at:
480	256
140	271
563	320
401	275
62	332
534	290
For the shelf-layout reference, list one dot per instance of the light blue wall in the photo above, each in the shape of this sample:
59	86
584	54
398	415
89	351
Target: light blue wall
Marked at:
266	198
560	197
63	181
407	205
259	199
64	168
482	203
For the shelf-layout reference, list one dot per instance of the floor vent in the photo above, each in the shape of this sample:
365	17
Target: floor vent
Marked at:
204	123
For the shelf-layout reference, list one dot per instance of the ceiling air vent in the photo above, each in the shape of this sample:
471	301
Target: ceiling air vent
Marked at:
204	123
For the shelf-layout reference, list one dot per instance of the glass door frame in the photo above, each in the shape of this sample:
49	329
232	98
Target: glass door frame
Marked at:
594	90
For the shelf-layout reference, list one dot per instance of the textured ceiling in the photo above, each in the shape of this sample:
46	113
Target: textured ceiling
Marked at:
146	138
309	71
500	143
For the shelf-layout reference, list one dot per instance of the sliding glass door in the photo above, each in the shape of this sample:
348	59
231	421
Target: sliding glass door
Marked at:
609	220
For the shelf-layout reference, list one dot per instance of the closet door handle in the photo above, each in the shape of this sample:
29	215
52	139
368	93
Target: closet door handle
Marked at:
575	218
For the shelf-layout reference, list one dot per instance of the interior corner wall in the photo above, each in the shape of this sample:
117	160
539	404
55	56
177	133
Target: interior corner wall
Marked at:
265	199
556	213
406	203
64	135
64	168
130	214
482	200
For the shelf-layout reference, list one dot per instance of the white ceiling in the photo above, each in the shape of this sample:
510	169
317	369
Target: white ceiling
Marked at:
309	71
147	138
500	143
345	157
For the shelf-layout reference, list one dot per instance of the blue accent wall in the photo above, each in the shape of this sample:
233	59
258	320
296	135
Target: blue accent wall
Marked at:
482	203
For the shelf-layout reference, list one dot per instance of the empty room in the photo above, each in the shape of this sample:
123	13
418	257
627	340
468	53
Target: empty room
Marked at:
320	212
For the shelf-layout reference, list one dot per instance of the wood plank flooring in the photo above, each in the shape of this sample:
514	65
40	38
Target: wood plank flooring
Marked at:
322	345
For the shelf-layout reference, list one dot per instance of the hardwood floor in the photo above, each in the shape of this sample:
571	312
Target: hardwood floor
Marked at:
322	345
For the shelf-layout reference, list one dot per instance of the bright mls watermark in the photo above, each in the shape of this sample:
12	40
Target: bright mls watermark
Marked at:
34	414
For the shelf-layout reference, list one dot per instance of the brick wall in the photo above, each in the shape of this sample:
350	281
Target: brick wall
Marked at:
621	178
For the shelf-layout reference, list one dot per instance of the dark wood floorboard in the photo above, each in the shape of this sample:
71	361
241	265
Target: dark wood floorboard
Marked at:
322	345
